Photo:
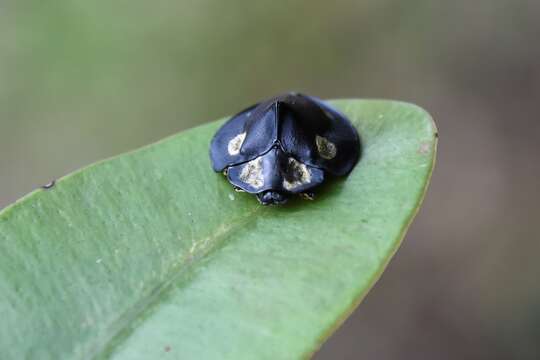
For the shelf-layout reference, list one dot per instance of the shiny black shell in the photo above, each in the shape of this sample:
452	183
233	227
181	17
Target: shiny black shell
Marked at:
285	145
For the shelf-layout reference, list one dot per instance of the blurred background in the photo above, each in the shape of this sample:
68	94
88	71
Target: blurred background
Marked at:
84	80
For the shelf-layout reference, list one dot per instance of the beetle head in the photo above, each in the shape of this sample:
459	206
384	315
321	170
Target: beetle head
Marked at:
272	198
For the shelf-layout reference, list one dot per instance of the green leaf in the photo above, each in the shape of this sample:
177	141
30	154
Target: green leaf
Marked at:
152	254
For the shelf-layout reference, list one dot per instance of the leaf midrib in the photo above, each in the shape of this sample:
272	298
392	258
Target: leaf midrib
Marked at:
121	328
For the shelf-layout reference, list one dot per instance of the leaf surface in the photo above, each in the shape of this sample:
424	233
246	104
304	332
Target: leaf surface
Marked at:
153	255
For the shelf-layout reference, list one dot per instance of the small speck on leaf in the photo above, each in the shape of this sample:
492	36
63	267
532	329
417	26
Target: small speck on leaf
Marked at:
98	261
167	348
231	196
49	185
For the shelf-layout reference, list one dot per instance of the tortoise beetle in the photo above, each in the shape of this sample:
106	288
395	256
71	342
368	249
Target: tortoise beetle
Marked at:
283	146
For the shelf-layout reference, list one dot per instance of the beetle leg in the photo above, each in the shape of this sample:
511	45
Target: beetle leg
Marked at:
237	189
226	171
307	195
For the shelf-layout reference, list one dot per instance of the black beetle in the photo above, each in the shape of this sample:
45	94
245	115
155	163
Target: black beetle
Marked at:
283	146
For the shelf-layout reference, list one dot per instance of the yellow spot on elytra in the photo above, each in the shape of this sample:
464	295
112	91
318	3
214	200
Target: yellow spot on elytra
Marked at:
236	143
297	175
326	149
252	173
